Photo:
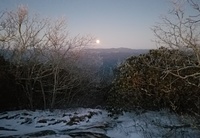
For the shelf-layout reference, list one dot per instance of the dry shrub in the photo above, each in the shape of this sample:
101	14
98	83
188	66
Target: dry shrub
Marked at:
148	82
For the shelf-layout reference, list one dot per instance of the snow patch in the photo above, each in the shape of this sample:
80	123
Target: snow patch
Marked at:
95	123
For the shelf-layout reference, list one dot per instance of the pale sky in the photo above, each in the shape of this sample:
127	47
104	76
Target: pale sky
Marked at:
116	23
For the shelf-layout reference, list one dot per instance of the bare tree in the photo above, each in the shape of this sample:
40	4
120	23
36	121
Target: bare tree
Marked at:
60	46
20	38
40	51
180	30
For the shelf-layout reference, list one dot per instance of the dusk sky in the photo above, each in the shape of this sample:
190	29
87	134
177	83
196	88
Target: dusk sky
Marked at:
116	23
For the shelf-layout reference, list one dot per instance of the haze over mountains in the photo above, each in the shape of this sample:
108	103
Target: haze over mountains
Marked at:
113	56
110	59
116	54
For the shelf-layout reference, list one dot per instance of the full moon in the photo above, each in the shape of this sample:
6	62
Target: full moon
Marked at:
97	41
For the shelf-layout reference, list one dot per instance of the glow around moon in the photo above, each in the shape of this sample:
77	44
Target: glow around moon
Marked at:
98	41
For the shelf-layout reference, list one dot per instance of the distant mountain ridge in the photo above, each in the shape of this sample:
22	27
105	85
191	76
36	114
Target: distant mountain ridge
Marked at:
117	50
116	54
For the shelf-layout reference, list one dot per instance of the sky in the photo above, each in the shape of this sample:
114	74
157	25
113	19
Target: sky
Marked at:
116	23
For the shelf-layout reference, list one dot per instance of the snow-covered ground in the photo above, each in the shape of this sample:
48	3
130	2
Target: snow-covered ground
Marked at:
95	123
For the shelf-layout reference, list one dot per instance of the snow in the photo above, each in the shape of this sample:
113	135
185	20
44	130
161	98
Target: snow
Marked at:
85	122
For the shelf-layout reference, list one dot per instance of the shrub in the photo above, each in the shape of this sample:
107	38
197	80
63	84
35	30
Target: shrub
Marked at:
149	82
9	94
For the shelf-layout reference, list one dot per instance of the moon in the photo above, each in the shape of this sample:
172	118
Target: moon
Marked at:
98	41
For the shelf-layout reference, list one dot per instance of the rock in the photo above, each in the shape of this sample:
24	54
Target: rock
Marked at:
5	117
66	115
42	133
26	114
76	119
57	122
14	116
27	121
3	113
39	126
87	135
42	121
22	117
7	129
